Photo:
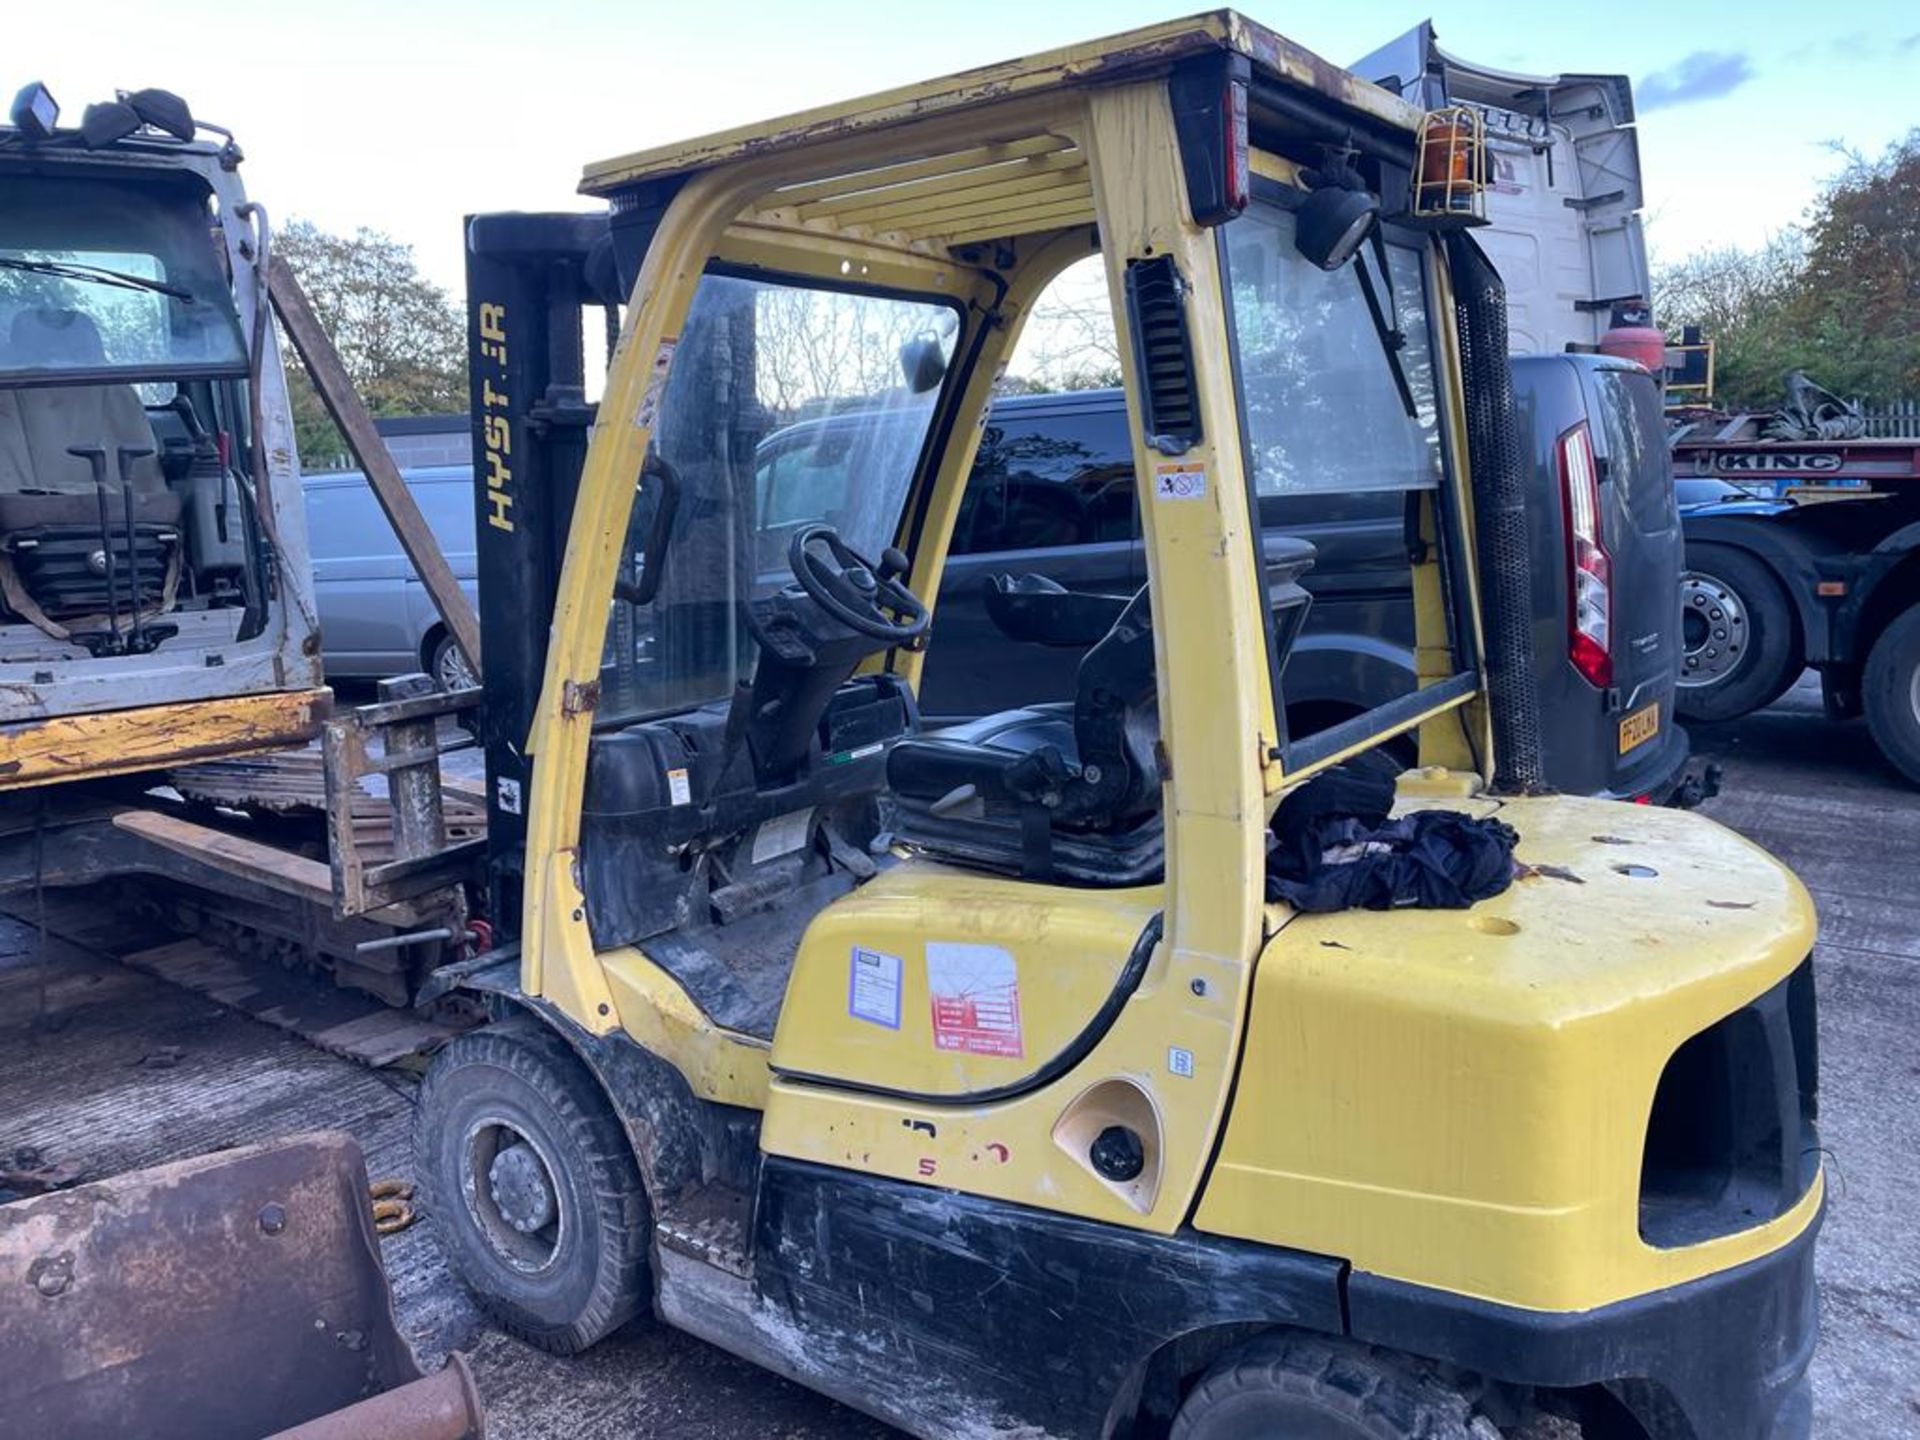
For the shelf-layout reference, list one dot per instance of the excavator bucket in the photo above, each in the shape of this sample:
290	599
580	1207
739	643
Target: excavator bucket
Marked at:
232	1296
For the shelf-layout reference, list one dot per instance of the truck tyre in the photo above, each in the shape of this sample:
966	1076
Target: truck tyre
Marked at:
530	1179
1299	1387
1890	693
1740	645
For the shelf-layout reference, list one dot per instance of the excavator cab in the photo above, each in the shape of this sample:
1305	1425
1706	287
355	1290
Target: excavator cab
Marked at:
974	1076
152	533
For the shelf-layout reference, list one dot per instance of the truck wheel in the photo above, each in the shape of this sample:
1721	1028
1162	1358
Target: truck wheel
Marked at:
1890	693
530	1178
1739	646
1296	1387
448	666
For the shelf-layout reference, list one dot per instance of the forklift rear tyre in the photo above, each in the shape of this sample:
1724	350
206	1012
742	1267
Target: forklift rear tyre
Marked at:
1890	693
530	1178
1295	1387
1740	648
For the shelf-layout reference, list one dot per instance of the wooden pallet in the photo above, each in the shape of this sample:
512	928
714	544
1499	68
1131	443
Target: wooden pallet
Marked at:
293	783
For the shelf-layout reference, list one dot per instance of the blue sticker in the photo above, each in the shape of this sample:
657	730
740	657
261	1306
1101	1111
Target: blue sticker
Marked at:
873	987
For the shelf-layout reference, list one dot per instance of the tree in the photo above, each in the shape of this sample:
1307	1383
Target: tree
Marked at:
1838	297
1859	304
1739	299
402	339
1068	342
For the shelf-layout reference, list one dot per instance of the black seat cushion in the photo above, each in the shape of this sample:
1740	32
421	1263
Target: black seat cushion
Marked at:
984	753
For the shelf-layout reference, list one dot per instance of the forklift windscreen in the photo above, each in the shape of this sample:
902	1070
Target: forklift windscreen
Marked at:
789	406
111	278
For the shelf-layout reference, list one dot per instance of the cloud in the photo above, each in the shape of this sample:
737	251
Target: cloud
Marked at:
1703	75
1912	42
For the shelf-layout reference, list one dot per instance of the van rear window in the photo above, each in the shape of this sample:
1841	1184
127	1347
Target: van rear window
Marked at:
1633	430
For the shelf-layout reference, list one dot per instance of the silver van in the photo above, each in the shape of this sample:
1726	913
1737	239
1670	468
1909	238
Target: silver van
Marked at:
375	616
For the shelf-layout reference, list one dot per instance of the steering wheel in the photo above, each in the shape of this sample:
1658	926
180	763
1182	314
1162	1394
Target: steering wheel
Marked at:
859	594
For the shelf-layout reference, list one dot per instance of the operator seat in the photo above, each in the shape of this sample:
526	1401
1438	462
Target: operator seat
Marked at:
38	426
57	530
1068	791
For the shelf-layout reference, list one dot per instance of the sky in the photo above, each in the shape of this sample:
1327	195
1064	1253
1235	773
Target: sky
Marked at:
405	115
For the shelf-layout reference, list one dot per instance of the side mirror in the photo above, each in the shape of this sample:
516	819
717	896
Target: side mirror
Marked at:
163	110
923	363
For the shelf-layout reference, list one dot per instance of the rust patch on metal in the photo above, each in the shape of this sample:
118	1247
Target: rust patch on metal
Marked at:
232	1294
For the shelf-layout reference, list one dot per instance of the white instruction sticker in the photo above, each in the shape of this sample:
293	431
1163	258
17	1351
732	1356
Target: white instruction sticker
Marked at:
507	791
1187	481
679	792
975	994
873	987
782	835
648	410
1180	1062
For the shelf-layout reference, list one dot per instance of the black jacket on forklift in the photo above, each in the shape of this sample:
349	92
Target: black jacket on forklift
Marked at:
1337	849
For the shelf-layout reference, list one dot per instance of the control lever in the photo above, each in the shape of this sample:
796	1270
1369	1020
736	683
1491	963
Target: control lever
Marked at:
127	455
96	458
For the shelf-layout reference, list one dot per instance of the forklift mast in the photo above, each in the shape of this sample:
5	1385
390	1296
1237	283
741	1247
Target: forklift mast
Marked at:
530	279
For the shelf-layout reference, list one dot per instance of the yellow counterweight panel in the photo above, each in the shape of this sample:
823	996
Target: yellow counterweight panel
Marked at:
1459	1098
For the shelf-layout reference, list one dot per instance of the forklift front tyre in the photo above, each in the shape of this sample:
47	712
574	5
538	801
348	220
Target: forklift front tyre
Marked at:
1289	1384
531	1183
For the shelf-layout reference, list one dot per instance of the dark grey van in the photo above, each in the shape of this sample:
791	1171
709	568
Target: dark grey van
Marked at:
376	618
1052	493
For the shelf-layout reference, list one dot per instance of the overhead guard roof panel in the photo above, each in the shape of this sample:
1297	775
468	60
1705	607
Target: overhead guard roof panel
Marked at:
1129	55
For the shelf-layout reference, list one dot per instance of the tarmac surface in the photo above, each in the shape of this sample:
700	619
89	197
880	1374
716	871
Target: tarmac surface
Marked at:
105	1069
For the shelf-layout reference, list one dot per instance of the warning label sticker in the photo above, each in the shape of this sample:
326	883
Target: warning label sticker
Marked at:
1180	482
873	987
648	410
975	994
782	835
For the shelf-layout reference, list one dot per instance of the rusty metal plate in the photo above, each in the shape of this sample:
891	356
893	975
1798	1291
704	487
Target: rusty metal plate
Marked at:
231	1295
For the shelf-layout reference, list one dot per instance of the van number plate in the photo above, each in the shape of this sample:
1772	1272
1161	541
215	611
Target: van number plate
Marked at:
1639	727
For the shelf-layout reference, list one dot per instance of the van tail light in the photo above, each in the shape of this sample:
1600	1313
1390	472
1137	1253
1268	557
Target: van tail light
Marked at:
1590	570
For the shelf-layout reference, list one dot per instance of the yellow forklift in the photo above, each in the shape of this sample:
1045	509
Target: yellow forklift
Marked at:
972	1077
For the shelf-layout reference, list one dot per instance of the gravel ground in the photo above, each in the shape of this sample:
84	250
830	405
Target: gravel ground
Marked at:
133	1071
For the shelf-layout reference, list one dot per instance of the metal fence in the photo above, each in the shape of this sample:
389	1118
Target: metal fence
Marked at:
1899	420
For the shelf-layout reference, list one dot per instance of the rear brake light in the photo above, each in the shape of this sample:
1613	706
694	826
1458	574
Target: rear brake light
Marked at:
1237	181
1590	571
